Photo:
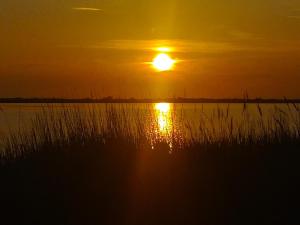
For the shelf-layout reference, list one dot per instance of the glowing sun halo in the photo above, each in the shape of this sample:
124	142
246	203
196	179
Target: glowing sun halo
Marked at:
163	62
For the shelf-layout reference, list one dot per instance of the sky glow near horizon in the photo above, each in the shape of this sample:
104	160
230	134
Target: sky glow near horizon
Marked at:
72	48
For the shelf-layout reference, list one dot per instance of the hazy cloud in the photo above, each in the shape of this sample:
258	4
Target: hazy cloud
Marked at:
241	35
154	45
189	46
86	9
294	14
294	17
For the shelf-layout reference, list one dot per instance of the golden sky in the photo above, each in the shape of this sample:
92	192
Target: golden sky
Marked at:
73	48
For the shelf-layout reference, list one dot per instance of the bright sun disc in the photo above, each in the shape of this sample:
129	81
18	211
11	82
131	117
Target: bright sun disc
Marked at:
163	62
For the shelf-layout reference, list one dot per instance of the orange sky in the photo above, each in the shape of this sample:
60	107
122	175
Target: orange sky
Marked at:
73	48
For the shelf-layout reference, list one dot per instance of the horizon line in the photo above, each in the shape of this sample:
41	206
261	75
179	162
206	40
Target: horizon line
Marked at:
110	99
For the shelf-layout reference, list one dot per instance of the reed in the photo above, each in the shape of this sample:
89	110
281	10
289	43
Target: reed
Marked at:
71	126
114	166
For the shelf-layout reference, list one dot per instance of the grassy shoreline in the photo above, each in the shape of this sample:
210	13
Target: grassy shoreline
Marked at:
77	167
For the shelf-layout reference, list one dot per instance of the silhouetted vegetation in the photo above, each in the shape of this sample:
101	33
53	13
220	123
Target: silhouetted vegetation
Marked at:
89	167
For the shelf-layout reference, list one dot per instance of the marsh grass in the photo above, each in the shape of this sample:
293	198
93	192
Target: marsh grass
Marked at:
75	125
113	166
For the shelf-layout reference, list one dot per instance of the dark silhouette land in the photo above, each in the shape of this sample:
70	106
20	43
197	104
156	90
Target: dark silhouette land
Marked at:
147	100
71	172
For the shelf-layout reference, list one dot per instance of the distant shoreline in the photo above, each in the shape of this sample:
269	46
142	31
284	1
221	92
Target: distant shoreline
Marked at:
132	100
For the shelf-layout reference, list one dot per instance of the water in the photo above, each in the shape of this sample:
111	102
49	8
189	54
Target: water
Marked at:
165	120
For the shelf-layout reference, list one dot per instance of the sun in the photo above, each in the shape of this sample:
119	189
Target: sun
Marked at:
163	62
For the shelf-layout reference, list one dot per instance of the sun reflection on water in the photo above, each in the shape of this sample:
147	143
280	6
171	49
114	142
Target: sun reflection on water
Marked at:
164	129
164	118
163	124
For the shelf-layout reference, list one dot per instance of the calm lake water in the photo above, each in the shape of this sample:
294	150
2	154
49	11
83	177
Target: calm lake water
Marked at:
161	119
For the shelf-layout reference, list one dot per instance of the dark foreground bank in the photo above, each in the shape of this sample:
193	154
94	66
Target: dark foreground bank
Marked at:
118	183
75	168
